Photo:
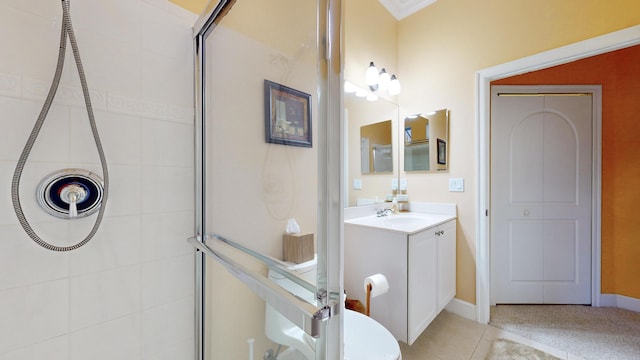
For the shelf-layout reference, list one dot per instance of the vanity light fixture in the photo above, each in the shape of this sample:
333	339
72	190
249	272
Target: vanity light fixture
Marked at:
350	88
381	80
394	86
372	97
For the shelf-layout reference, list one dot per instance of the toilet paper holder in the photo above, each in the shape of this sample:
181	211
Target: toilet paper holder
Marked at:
374	285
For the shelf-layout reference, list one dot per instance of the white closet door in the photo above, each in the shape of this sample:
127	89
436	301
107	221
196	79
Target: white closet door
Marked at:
541	198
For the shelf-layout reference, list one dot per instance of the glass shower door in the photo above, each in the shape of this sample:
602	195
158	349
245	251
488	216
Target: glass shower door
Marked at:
268	156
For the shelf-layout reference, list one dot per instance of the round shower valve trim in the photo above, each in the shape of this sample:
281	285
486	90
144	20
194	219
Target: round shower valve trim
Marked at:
70	193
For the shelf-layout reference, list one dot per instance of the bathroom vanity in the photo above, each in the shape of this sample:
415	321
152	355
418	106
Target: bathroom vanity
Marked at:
416	252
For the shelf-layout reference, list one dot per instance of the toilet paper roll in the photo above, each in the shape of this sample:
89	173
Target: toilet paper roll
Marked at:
379	284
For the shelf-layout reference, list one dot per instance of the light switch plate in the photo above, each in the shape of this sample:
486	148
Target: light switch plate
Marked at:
357	184
456	184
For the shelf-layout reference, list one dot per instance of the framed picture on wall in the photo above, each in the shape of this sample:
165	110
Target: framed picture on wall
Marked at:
442	152
287	115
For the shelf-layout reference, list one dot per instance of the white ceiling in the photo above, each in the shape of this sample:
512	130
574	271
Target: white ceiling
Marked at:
403	8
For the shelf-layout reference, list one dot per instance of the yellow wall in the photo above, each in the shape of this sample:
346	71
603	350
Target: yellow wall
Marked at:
370	34
444	45
195	6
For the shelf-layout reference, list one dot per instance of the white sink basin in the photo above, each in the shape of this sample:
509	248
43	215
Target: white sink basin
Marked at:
409	223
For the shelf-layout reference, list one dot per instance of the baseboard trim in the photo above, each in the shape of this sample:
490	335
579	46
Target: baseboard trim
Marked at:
462	308
620	301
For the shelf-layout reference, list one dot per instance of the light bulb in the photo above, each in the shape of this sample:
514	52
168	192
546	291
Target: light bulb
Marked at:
372	97
394	86
384	79
371	76
361	93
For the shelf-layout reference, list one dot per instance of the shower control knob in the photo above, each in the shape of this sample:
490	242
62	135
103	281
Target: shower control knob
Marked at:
70	193
73	194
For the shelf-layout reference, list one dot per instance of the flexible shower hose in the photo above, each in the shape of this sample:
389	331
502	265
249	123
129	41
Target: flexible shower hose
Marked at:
65	32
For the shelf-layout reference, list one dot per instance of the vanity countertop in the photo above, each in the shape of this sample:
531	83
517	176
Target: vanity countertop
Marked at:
406	222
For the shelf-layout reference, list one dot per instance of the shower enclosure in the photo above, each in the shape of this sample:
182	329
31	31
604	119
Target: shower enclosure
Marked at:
268	149
128	293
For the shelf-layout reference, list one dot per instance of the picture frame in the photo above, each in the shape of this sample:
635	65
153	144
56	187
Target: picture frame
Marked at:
287	115
442	152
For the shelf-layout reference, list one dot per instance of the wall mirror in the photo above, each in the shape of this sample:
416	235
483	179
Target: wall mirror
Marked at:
426	141
373	181
376	152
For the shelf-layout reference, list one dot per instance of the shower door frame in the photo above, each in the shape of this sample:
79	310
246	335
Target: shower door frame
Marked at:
330	168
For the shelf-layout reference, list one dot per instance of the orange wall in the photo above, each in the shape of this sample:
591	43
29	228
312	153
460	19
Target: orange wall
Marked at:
619	74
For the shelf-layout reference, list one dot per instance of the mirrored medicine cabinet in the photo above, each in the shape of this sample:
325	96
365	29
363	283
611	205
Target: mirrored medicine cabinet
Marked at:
381	146
376	151
426	142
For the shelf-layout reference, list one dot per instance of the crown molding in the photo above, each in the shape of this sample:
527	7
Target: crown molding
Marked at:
403	8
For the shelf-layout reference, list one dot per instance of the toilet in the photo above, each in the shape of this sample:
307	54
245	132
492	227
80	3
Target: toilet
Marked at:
364	338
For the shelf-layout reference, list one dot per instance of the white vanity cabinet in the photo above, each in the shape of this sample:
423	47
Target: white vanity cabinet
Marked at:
422	281
446	239
420	269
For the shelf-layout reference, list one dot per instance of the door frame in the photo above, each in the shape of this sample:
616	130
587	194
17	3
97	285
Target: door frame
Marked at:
580	50
596	172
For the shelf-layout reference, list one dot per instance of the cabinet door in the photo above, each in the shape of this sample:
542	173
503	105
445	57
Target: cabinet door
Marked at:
368	251
422	283
446	239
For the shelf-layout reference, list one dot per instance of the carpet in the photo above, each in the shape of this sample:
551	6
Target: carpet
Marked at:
589	332
503	349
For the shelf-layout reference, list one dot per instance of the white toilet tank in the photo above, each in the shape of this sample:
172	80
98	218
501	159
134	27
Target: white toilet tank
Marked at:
364	338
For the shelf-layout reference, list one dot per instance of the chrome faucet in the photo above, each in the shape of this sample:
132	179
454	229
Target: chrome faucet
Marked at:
384	212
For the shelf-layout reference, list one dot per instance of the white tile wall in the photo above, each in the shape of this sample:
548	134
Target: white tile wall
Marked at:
166	280
120	136
159	232
125	190
116	65
54	349
10	85
20	116
165	327
32	314
103	296
173	351
116	339
35	58
166	189
128	293
7	215
24	264
157	140
118	243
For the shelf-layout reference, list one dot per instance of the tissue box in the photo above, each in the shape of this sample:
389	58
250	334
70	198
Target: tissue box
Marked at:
298	248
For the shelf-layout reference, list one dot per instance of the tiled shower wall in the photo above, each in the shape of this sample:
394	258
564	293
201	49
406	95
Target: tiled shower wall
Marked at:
128	293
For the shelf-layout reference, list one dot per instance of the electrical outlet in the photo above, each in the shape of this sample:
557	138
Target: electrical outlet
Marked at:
357	184
456	184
